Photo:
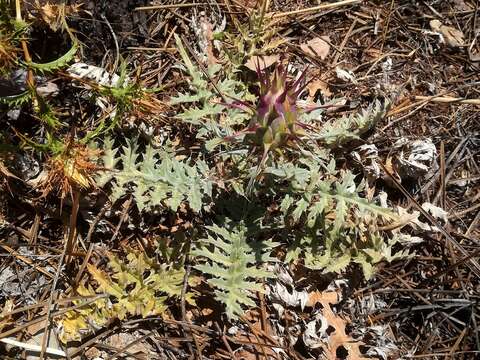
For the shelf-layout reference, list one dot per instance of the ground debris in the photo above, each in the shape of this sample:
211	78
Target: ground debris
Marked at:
287	179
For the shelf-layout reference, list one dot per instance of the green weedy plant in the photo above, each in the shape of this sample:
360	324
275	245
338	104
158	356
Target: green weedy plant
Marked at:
124	94
275	120
256	37
15	31
204	101
56	64
331	223
339	132
137	287
232	263
155	178
43	110
12	30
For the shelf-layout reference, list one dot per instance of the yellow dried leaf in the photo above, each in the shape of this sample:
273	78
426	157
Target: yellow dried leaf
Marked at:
104	282
7	308
74	175
273	44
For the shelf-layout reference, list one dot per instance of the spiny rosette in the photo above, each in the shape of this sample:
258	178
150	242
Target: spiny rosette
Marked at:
275	121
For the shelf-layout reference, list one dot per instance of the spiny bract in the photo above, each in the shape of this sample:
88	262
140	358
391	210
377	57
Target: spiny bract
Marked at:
275	121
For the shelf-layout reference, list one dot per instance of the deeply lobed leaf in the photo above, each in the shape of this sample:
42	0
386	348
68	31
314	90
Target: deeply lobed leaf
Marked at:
232	265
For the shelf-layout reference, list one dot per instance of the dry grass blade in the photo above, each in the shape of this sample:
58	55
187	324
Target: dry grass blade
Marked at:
314	8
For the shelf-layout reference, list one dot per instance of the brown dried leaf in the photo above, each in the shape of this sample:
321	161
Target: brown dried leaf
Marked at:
461	5
391	168
339	337
54	15
453	37
330	297
318	85
263	62
318	46
6	319
474	57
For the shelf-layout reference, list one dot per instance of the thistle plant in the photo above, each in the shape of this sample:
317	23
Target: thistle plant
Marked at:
275	119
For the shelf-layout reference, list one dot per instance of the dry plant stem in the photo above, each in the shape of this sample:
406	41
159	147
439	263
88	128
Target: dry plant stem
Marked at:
50	304
448	100
457	342
421	104
263	312
315	8
34	229
123	217
27	261
117	49
473	225
442	175
259	332
36	306
461	213
170	6
387	24
95	222
83	267
126	355
449	174
458	148
244	342
224	339
256	334
26	53
344	42
423	100
453	266
156	49
72	233
91	341
169	37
